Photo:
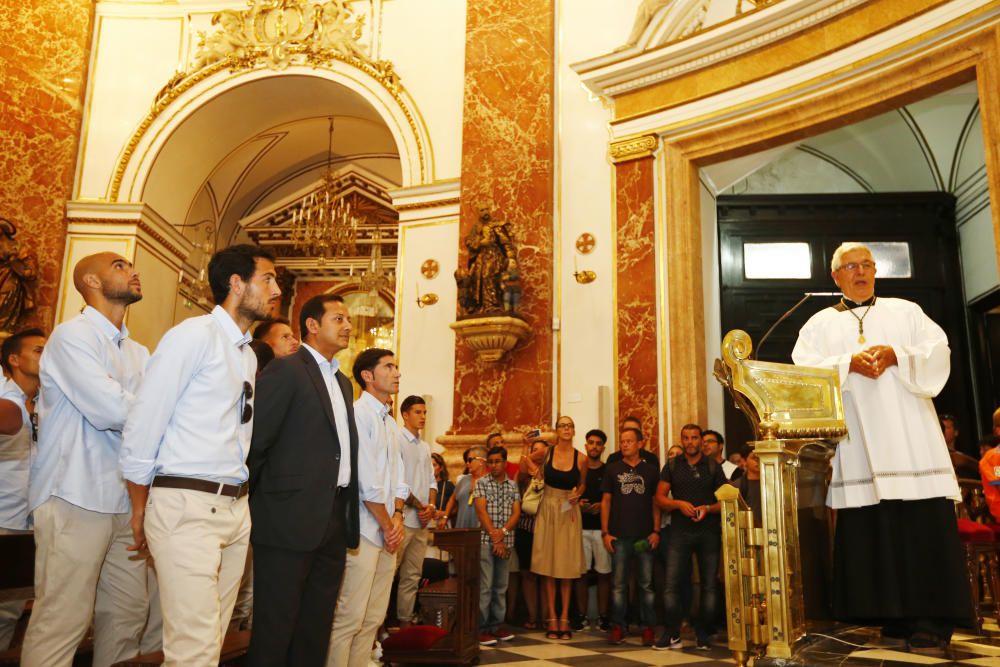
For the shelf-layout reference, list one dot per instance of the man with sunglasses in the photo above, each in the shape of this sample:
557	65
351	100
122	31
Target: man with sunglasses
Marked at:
897	560
184	456
19	356
304	490
89	373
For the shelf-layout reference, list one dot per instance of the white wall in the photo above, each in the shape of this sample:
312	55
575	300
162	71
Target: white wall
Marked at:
425	344
979	255
583	203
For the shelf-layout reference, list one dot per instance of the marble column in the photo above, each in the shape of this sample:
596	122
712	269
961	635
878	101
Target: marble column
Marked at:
43	70
507	165
635	294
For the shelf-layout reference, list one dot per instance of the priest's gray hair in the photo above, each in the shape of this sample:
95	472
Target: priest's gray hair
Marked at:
846	247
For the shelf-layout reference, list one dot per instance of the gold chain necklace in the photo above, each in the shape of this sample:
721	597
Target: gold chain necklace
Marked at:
861	320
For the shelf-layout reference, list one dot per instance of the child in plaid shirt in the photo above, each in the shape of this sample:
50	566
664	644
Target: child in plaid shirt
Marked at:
498	505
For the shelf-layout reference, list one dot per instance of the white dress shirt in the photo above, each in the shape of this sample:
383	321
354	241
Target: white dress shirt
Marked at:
419	472
90	372
329	371
17	451
381	478
186	421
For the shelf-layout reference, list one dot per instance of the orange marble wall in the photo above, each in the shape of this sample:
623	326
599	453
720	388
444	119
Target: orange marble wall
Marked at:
507	148
43	70
636	296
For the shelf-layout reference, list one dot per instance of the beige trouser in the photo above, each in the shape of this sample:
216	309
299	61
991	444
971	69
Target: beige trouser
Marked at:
243	610
83	571
199	543
410	561
152	635
361	606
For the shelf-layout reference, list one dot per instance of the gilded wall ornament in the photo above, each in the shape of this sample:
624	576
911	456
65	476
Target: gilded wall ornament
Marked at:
430	268
278	33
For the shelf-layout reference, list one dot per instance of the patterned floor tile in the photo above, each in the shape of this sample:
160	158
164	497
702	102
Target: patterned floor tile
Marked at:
899	656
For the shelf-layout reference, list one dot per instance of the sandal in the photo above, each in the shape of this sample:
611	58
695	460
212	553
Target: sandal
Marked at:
552	632
566	634
530	625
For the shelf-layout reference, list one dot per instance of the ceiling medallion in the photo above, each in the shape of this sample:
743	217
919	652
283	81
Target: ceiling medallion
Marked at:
430	268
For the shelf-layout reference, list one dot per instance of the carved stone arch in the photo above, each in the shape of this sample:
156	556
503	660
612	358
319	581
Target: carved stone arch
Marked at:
180	101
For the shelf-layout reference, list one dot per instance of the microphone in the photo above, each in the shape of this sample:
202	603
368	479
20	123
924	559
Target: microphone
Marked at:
806	296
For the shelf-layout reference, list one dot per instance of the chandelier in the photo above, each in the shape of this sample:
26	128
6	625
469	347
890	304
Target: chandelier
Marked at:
325	225
374	277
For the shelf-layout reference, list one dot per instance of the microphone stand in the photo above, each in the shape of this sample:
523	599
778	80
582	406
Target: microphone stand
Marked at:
806	297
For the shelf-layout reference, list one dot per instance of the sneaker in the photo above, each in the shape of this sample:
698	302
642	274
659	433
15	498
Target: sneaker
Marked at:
703	645
615	635
580	624
667	641
503	633
486	639
648	638
603	624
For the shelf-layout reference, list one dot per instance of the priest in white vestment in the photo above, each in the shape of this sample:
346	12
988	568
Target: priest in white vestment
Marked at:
898	562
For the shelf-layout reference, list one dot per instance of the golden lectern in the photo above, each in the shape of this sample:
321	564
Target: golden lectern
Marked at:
798	417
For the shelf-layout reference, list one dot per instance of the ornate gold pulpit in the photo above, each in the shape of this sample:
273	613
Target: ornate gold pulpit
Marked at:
798	417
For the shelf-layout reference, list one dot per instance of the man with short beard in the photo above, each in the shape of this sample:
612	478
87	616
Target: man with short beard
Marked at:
89	374
185	449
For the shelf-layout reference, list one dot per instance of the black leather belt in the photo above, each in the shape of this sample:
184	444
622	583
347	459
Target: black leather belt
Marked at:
194	484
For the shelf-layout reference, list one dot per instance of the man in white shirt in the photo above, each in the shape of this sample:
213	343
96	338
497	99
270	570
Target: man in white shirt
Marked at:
89	372
187	437
713	446
364	594
419	508
897	559
19	356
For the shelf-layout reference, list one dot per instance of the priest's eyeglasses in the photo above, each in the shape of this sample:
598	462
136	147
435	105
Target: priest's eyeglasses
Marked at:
854	266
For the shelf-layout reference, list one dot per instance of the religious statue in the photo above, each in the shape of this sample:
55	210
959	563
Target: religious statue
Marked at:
18	268
491	283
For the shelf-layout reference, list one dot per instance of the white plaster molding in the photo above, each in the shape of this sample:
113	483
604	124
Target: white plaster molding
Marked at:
853	62
633	68
427	202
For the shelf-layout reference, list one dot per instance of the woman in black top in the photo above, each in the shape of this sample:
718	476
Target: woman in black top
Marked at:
444	487
557	552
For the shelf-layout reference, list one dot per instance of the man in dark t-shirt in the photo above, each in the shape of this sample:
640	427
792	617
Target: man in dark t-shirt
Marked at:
646	448
630	528
594	554
687	490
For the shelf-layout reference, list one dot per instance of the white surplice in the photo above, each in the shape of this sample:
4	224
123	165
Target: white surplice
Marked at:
894	448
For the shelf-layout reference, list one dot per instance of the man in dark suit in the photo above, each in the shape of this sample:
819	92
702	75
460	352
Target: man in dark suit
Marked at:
303	491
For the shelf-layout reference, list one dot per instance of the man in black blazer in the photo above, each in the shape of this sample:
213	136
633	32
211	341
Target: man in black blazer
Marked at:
303	491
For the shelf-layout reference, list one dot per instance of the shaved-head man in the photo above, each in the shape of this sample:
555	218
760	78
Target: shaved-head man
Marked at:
89	374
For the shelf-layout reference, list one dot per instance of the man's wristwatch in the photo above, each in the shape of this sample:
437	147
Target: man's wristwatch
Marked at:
504	530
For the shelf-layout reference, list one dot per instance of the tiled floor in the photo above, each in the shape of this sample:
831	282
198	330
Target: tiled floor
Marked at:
843	645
